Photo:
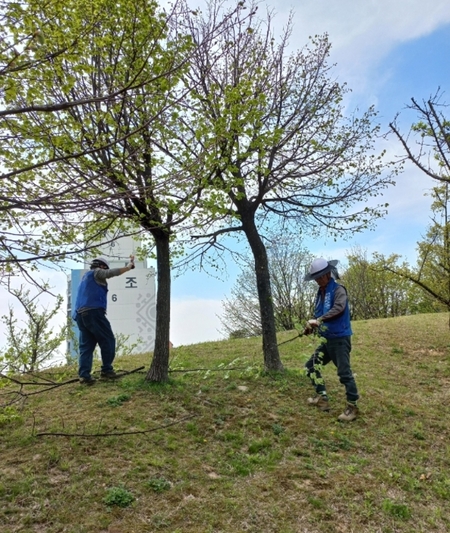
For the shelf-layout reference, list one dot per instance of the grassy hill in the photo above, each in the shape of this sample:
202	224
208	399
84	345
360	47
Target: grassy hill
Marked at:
225	448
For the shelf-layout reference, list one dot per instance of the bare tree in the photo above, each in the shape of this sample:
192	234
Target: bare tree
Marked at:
293	298
427	143
427	146
278	140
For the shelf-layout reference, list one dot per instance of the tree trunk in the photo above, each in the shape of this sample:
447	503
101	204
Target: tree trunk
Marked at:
272	359
159	369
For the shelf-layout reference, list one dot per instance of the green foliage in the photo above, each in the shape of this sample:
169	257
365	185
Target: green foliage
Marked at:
9	416
254	121
118	497
442	488
316	374
278	429
31	346
260	445
397	510
137	129
279	148
388	289
124	347
114	150
116	401
89	65
376	290
158	484
432	273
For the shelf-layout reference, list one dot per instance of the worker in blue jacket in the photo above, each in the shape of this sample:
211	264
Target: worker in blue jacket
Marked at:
332	322
90	316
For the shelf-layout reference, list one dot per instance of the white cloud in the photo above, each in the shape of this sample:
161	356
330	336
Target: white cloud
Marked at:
195	320
369	26
362	32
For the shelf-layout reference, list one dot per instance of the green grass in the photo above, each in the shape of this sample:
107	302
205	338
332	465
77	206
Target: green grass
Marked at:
230	449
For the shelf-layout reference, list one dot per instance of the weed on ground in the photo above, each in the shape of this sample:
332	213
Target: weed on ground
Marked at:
226	447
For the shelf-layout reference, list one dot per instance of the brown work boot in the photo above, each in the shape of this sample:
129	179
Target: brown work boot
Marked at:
109	375
320	401
87	381
351	412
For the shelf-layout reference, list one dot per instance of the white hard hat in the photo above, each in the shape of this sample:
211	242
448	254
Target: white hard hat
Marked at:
99	261
320	267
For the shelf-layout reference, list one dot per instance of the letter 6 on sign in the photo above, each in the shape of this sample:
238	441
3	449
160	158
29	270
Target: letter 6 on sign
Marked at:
114	297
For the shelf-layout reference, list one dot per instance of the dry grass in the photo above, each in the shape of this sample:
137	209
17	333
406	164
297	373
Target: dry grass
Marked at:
235	450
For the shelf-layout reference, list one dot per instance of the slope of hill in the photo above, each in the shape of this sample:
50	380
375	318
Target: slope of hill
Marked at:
226	448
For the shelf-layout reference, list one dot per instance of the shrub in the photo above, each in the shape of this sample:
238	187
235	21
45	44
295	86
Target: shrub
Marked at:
118	496
158	484
397	510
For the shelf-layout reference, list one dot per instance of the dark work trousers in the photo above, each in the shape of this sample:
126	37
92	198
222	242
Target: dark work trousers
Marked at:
336	350
95	329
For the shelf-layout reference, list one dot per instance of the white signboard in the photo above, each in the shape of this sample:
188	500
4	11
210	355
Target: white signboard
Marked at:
132	307
118	252
131	302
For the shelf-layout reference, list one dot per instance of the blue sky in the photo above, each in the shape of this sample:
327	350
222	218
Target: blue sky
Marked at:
387	52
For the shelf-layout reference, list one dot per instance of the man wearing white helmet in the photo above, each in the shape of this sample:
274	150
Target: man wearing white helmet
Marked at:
332	321
90	315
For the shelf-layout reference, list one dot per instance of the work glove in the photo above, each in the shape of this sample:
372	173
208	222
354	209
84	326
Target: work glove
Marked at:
131	263
311	325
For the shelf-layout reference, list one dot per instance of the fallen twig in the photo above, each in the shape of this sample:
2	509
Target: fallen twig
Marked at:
109	434
210	369
47	385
